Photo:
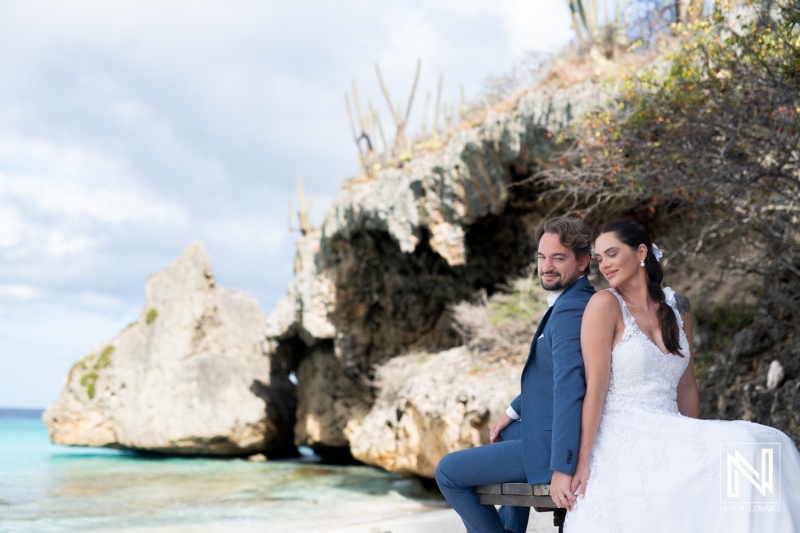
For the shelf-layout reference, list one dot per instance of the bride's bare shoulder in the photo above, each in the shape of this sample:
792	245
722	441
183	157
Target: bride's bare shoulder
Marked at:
603	302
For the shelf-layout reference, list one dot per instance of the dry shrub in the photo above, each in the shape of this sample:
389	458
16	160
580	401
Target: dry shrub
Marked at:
501	327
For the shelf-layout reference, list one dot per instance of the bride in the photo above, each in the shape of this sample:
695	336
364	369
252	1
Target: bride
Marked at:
646	463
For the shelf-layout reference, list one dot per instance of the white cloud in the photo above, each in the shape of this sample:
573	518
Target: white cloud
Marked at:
58	200
18	292
132	128
68	181
536	25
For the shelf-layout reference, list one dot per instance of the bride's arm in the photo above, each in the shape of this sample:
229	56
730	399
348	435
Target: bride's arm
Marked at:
688	397
598	330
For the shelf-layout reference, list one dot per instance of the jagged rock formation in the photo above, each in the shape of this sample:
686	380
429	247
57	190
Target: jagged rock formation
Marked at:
431	405
330	404
386	367
396	250
402	246
305	312
193	375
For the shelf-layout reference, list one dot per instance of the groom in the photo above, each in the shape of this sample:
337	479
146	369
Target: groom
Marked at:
536	440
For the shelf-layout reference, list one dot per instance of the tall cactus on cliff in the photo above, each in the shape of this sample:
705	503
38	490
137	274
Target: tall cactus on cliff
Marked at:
585	20
591	34
397	112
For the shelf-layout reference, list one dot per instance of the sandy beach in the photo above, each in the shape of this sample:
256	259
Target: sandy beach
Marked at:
439	521
407	520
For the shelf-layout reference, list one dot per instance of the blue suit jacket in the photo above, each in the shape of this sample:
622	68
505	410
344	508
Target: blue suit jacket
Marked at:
553	386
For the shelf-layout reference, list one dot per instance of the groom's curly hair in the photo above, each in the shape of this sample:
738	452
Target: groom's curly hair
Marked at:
572	233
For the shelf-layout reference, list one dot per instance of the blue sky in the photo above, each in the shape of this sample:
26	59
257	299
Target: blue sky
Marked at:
129	129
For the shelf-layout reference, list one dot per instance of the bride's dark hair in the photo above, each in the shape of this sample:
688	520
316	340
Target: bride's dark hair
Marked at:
633	234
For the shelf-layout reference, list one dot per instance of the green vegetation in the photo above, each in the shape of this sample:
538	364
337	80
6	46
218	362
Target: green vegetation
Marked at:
479	368
725	317
89	367
152	314
89	381
500	327
104	359
702	149
519	305
723	321
702	362
706	141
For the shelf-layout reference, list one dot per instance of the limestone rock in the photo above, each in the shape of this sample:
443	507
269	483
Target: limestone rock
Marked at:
330	404
396	250
191	376
775	374
257	458
305	310
443	193
430	405
408	242
733	388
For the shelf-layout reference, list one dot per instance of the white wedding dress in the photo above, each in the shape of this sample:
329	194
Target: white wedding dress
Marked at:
654	470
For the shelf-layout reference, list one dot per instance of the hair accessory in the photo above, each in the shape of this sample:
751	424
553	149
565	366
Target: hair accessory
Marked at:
657	252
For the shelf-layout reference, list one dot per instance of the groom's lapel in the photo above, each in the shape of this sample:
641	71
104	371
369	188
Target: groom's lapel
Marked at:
532	352
542	323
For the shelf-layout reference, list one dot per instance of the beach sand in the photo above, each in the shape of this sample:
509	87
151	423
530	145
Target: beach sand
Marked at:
439	521
412	519
407	517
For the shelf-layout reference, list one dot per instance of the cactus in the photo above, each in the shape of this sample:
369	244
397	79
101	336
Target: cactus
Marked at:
425	113
399	120
438	102
356	136
591	34
304	211
366	128
378	126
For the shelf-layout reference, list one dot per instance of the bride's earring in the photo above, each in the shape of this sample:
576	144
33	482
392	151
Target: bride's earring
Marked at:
641	263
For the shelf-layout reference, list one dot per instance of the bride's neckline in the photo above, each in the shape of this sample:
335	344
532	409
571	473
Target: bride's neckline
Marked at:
636	324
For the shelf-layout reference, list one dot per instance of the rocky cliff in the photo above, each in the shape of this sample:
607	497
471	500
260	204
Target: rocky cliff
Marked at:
430	404
192	375
757	377
377	280
401	325
201	370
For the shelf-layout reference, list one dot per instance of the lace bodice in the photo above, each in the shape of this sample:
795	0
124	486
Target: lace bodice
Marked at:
642	377
653	470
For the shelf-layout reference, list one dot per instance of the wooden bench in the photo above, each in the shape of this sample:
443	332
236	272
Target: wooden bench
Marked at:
522	495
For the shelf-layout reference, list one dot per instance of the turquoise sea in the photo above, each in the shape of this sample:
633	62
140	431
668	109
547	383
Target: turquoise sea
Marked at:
48	488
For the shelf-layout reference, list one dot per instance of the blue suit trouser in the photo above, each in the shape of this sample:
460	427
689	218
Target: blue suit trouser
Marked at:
501	462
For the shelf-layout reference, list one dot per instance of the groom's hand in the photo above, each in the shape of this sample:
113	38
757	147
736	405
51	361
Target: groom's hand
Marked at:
501	424
560	490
